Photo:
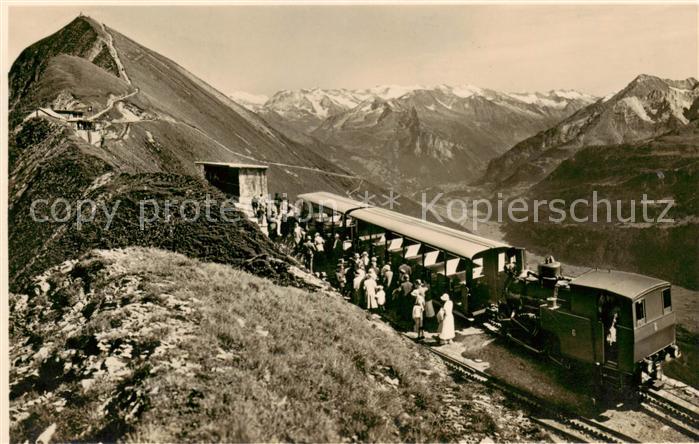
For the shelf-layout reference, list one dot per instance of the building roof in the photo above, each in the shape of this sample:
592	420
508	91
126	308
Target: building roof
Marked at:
68	111
457	242
52	113
332	201
233	165
454	241
629	285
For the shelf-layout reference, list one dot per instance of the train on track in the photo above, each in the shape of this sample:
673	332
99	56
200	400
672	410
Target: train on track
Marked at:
618	325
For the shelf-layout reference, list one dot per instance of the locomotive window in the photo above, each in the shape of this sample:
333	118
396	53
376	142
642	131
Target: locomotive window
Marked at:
640	312
667	300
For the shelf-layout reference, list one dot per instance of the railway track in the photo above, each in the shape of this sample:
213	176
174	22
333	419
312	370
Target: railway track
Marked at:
567	425
674	413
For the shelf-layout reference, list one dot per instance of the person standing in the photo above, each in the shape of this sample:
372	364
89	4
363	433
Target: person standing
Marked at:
359	276
365	259
319	243
298	234
405	269
309	252
284	215
370	291
445	316
418	296
261	210
429	313
404	302
380	297
387	275
341	274
255	204
418	310
374	265
337	244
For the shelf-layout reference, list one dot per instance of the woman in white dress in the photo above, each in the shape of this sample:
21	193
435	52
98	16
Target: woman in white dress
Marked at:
446	320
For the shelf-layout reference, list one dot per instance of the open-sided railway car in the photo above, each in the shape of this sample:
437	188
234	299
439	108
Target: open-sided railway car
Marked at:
471	267
617	324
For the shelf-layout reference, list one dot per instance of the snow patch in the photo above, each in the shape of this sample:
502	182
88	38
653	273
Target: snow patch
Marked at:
463	91
608	96
635	104
250	101
538	99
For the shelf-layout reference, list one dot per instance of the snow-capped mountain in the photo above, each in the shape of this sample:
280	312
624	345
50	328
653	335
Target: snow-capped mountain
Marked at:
253	102
309	107
647	107
453	128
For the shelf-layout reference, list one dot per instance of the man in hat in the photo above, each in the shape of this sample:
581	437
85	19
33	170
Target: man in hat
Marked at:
373	265
365	259
404	301
387	275
405	269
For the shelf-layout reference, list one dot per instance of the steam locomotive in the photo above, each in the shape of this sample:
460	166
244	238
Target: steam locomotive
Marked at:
621	324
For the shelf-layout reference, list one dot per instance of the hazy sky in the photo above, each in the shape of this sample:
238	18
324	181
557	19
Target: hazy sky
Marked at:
262	49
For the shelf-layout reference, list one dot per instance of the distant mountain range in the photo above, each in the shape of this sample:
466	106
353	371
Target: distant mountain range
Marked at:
401	136
647	107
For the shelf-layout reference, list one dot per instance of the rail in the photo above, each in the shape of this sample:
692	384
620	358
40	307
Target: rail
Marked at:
565	423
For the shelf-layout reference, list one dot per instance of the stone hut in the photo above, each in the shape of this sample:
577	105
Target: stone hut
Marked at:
240	180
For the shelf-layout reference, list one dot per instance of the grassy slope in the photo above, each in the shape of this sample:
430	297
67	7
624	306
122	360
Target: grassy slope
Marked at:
146	345
86	82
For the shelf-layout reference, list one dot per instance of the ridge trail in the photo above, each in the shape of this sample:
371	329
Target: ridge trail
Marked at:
115	55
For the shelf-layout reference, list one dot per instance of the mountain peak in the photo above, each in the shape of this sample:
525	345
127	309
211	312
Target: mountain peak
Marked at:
647	107
642	79
645	77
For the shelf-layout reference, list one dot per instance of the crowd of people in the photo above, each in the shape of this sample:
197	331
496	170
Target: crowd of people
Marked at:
377	288
361	278
278	215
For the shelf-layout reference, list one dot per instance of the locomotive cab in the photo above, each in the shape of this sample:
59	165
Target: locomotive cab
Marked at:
621	324
620	321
